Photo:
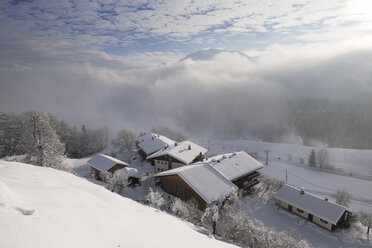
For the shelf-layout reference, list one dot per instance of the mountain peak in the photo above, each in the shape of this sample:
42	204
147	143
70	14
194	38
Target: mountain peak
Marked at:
209	54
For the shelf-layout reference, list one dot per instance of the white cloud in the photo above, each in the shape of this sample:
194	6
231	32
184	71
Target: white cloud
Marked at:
116	22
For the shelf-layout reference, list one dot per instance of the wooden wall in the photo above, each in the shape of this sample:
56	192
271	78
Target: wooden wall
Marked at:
176	186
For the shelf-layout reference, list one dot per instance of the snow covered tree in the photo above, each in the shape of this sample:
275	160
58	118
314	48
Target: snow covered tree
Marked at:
366	220
41	143
322	157
212	213
155	199
2	133
186	211
125	141
119	180
312	159
342	197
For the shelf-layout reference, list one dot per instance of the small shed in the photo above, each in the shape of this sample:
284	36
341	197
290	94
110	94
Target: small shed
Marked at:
321	211
100	163
198	184
133	176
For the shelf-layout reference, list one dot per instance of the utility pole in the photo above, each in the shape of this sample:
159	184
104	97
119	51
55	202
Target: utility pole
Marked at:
286	175
267	156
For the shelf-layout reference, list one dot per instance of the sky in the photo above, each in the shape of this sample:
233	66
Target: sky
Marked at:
118	62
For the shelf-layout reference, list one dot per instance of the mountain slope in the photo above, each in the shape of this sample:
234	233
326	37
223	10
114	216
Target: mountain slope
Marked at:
43	207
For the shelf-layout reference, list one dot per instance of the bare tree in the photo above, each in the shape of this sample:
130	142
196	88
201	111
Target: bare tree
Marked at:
342	197
322	158
366	220
125	141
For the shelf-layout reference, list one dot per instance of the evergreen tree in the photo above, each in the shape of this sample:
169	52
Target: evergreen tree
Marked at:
312	159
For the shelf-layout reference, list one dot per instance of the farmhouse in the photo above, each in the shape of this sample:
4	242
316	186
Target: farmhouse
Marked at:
100	163
152	142
238	167
314	208
177	155
199	184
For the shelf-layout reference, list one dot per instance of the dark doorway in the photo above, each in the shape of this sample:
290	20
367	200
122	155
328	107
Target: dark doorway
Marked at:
310	217
169	163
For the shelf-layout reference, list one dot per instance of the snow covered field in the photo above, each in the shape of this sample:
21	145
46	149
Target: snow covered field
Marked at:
356	161
43	207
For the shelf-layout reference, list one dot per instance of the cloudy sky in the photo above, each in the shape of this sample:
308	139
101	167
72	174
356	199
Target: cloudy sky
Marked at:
118	62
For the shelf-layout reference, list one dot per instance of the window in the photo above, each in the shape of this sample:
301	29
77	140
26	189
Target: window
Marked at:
324	221
300	210
158	169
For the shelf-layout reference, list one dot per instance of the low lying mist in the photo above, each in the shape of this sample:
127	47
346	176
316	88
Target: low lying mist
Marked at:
281	96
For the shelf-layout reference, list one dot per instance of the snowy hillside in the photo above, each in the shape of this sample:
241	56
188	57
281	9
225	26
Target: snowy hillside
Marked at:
43	207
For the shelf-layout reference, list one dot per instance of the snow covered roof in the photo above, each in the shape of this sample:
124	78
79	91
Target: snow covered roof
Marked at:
234	165
131	172
104	162
181	151
206	181
312	204
153	142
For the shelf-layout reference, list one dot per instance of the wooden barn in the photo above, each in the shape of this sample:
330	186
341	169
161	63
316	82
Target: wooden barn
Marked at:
177	155
100	163
151	143
199	184
239	167
319	210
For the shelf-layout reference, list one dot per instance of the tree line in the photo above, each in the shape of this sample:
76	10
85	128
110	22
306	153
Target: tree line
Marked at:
45	140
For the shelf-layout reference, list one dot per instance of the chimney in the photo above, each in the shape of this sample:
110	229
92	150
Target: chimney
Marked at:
175	144
302	191
326	198
189	147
